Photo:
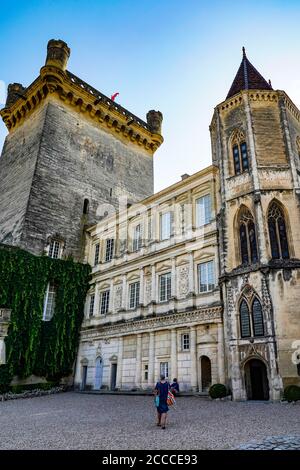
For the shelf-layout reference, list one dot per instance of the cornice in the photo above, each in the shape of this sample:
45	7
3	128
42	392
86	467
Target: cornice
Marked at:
199	316
253	95
84	99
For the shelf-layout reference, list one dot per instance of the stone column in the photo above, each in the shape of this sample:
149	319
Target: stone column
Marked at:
193	352
173	354
120	364
173	278
153	283
124	292
191	274
151	360
142	287
221	358
111	297
138	367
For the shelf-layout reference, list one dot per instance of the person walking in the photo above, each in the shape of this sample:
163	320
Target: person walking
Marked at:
175	387
161	390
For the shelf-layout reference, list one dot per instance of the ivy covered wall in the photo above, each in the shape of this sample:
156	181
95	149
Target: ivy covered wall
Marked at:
33	346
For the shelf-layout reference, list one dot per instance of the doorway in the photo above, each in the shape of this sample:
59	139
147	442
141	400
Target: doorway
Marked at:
84	376
113	378
205	373
256	380
98	373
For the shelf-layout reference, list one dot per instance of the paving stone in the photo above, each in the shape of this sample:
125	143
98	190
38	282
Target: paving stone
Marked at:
81	421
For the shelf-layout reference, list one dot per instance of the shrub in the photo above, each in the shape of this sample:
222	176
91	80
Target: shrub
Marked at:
29	387
292	393
218	391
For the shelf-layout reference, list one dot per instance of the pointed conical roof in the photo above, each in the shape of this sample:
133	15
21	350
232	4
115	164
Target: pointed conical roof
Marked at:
248	78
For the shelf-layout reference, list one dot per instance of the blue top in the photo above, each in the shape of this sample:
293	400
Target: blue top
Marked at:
175	385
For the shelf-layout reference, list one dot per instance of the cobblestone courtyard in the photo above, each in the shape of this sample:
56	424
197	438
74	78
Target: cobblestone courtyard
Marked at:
79	421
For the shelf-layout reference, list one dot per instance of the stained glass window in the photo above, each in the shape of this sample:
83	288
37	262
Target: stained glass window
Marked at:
247	237
277	232
245	320
257	318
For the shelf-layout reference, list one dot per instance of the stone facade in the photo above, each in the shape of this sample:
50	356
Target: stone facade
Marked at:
127	346
268	123
200	281
64	151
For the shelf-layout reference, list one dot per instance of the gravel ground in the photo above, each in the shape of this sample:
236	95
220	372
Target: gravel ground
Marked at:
78	421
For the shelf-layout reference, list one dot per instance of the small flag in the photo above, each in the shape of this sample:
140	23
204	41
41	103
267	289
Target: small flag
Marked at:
113	97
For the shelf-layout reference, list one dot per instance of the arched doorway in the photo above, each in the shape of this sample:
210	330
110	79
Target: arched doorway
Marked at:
98	373
205	373
256	380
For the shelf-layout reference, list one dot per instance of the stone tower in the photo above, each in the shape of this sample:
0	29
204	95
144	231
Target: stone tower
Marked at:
255	135
69	150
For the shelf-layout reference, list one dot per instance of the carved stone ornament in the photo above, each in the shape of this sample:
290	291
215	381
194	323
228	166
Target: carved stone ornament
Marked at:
183	281
118	296
203	315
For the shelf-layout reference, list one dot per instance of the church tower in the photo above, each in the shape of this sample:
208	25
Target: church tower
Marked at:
70	152
255	135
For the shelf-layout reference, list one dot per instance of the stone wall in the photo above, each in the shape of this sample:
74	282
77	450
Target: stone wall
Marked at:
17	166
75	160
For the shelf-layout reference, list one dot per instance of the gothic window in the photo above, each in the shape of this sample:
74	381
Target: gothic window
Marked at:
257	318
251	319
277	232
49	302
247	237
245	320
239	153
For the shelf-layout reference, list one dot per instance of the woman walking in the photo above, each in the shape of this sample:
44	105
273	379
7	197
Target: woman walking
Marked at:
161	390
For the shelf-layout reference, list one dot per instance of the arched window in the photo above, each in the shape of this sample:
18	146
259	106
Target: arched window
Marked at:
247	237
257	318
245	320
277	232
239	152
251	324
86	204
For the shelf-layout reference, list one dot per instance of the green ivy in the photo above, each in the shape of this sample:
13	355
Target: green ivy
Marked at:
46	349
